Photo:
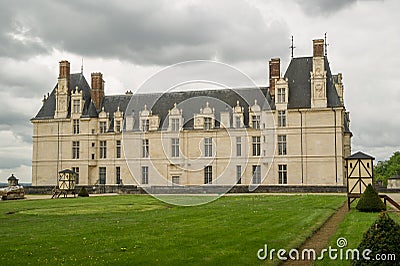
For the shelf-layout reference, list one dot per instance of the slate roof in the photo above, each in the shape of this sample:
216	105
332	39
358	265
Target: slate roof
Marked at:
298	75
49	107
190	101
360	155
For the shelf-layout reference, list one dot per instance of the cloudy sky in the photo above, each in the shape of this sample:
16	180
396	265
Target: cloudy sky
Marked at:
128	41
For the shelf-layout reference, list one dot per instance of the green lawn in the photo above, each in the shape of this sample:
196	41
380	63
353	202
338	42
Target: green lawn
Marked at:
138	229
352	228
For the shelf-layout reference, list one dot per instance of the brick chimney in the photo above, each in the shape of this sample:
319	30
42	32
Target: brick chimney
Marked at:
64	72
274	74
97	91
318	48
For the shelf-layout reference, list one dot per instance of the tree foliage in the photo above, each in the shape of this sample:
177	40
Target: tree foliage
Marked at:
370	201
386	169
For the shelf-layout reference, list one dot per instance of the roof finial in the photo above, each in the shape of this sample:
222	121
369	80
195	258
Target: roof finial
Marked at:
82	67
292	46
326	46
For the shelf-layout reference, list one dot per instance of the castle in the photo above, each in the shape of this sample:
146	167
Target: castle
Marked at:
294	132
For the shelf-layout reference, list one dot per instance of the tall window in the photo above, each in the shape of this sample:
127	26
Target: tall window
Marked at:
175	147
281	118
103	149
103	126
238	146
118	175
256	174
75	150
282	173
238	122
281	95
145	175
175	180
175	124
207	123
145	125
77	106
118	126
145	148
76	126
118	148
208	174
76	170
238	174
102	175
281	144
256	146
208	147
255	120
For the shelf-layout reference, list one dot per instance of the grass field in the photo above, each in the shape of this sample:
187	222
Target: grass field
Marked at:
138	229
352	228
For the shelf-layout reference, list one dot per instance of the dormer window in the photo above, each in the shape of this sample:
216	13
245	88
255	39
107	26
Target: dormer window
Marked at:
103	126
255	120
145	125
77	106
281	95
118	126
175	124
238	122
207	123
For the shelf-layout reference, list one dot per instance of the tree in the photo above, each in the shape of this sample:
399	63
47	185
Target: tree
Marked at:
370	201
386	169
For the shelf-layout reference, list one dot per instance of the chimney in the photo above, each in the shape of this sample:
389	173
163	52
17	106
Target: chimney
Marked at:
318	48
274	74
64	72
97	91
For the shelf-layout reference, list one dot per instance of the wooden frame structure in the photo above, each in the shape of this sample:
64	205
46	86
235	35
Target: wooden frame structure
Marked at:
66	183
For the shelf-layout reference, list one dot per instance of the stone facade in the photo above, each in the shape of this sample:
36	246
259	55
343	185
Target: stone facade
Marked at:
155	140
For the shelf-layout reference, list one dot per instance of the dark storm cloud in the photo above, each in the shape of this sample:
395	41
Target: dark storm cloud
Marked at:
143	32
323	7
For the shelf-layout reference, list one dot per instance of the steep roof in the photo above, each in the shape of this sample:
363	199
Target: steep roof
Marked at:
298	75
49	107
190	101
360	155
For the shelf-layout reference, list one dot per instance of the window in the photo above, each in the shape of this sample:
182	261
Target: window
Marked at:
93	144
92	156
145	175
102	175
238	146
255	120
103	149
76	170
118	126
145	125
175	147
118	175
238	174
282	173
77	106
281	144
207	123
281	95
175	180
145	148
175	124
103	127
118	148
238	122
281	118
256	174
76	126
75	150
256	146
208	147
208	174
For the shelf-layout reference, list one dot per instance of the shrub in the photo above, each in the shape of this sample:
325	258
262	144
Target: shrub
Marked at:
83	192
383	237
370	201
